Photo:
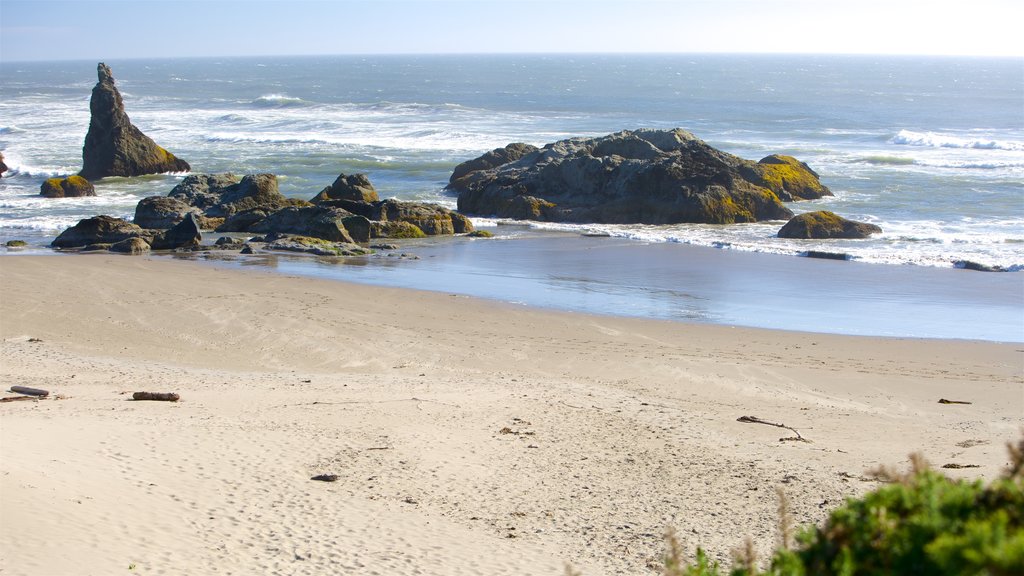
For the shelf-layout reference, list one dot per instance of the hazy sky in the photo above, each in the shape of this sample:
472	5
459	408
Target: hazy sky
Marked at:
89	29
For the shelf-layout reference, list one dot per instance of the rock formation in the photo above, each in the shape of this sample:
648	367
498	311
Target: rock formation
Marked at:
355	187
113	145
824	224
223	195
162	212
640	176
70	187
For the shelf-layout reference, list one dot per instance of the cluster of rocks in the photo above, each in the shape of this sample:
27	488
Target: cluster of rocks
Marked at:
335	222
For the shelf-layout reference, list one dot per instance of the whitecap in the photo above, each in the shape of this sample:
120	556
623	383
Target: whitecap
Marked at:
940	140
279	101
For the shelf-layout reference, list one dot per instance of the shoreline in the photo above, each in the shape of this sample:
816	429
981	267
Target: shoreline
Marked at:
617	428
672	281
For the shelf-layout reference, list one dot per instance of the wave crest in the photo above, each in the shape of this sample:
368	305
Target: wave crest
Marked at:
280	101
939	140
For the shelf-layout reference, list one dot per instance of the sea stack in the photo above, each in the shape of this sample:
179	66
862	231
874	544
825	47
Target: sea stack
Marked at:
114	146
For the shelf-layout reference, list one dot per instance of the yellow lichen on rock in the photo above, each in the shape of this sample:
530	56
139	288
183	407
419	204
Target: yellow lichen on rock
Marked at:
787	176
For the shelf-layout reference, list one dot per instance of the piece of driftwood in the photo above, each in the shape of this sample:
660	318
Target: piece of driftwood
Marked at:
159	396
16	398
30	391
944	401
756	420
325	478
955	466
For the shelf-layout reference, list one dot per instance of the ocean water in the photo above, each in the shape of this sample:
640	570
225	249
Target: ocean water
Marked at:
931	149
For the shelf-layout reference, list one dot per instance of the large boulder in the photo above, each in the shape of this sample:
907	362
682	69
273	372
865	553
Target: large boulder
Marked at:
639	176
313	221
162	212
113	145
70	187
355	187
824	224
222	195
98	230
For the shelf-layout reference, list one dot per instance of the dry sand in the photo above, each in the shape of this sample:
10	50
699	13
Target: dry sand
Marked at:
468	437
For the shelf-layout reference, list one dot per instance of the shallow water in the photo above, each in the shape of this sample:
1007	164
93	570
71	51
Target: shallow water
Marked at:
691	284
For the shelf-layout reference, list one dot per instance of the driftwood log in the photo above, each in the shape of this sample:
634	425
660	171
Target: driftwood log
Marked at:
16	398
159	396
30	391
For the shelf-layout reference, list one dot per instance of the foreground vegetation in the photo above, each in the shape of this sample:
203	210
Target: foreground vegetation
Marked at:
921	522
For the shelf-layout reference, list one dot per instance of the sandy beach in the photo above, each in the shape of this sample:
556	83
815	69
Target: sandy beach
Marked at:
467	436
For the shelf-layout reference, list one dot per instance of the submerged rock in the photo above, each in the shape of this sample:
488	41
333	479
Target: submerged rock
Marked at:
116	147
824	224
977	266
70	187
639	176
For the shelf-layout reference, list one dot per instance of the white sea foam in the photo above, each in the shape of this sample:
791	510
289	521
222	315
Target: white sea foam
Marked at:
279	101
941	140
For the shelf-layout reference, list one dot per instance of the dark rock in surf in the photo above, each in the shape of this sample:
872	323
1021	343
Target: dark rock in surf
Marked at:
977	266
3	165
826	255
116	147
824	224
639	176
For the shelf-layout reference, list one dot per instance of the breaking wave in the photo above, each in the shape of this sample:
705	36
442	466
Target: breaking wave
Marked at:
940	140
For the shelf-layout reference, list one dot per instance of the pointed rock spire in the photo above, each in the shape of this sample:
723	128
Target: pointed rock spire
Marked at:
114	146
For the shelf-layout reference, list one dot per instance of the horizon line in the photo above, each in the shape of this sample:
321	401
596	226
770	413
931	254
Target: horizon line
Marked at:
526	53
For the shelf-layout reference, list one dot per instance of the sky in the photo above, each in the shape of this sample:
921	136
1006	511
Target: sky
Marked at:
119	29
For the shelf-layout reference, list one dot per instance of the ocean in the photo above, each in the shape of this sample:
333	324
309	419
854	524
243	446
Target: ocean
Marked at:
929	148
